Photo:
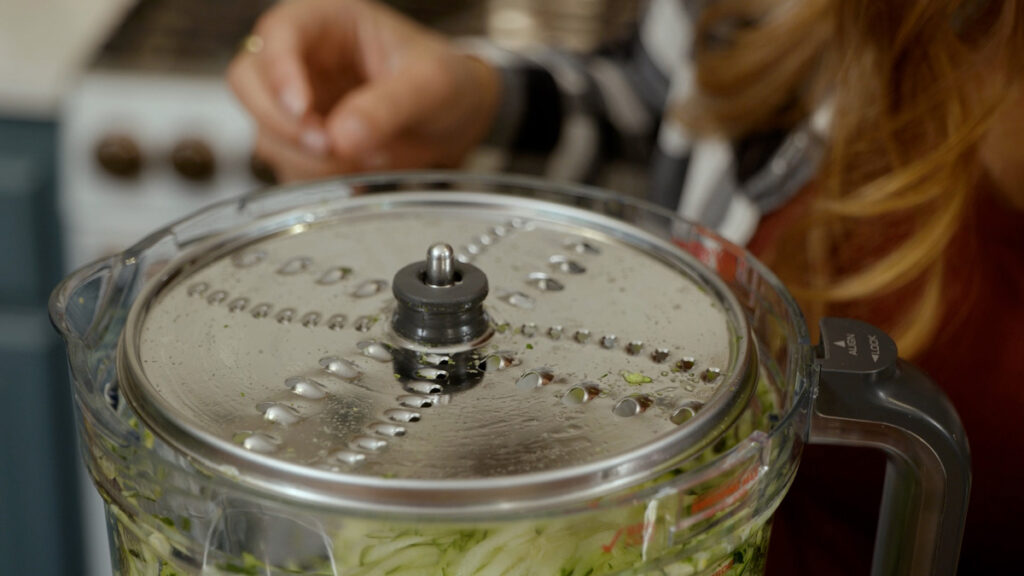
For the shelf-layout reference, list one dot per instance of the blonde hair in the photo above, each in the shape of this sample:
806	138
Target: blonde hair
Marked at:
915	84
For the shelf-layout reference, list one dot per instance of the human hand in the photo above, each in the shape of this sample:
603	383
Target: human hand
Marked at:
349	85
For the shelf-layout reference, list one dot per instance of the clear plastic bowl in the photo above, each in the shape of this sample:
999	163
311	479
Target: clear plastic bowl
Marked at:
170	515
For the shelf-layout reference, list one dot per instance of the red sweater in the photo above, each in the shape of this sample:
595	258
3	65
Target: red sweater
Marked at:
826	524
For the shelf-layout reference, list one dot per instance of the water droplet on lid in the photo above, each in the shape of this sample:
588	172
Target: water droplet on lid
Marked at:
685	412
285	315
340	367
238	304
334	275
484	240
499	231
473	249
544	282
632	405
564	264
310	319
198	289
686	363
217	297
262	310
248	258
496	362
421	387
294	266
364	323
399	415
581	335
582	247
262	443
376	350
710	375
387	429
609	341
306	387
517	223
555	332
634	347
463	257
528	330
336	322
432	374
279	413
535	379
519	300
417	400
660	355
367	443
581	393
369	288
349	457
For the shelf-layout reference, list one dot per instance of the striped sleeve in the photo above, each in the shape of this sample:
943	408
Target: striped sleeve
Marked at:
579	110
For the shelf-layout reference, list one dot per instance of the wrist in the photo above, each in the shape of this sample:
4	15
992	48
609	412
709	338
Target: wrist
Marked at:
486	98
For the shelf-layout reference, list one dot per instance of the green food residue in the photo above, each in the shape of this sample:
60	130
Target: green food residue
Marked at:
166	520
250	565
635	378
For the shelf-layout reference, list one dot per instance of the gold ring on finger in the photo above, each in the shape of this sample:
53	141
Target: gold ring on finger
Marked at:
252	44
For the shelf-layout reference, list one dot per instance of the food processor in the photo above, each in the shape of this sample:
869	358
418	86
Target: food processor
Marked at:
435	373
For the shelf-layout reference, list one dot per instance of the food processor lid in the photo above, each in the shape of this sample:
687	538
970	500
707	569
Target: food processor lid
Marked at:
437	350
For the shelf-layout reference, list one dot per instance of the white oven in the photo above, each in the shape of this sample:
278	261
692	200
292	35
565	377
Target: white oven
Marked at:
140	150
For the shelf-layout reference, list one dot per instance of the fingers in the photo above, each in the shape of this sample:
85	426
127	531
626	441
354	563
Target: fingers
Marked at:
275	85
302	38
292	162
376	113
390	91
247	82
285	33
435	108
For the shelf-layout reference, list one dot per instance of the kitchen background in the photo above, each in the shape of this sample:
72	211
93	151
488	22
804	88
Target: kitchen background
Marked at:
115	120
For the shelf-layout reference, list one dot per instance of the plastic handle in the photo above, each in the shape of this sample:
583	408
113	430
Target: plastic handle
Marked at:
867	396
75	302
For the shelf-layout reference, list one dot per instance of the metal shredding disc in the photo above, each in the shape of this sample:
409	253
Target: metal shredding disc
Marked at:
269	352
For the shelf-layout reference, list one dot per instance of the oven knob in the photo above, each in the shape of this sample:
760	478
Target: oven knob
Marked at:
119	156
262	170
193	159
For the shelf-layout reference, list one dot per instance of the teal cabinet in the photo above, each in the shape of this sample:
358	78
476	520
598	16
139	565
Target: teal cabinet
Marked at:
39	487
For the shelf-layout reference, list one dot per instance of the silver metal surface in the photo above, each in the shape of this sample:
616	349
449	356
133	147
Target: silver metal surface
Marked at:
267	354
440	265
